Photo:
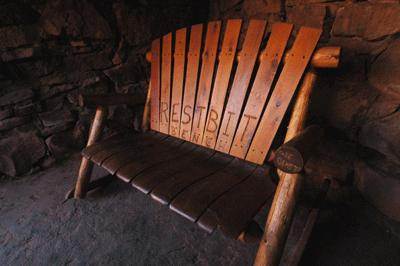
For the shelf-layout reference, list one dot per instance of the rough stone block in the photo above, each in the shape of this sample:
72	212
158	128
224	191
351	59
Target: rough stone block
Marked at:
371	21
381	191
16	97
54	118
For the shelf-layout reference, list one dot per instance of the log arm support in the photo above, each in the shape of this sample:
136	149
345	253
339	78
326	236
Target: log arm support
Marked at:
86	168
287	194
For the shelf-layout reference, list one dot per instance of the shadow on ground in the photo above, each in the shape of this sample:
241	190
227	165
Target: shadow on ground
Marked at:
119	225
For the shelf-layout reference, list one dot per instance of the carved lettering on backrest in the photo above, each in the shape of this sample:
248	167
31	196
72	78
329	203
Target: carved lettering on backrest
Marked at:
248	57
267	69
205	82
192	69
212	125
177	82
187	115
227	56
164	113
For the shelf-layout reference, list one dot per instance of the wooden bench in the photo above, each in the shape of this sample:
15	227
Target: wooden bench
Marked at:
213	114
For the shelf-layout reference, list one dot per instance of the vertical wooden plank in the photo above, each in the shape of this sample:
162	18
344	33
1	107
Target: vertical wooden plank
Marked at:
221	83
155	85
271	58
240	84
206	77
291	74
165	97
191	81
177	82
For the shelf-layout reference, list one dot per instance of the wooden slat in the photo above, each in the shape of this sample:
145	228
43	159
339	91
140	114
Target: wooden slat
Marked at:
128	144
191	82
114	140
148	179
291	74
117	160
271	58
155	85
206	77
221	83
240	84
173	185
194	200
131	169
165	93
236	208
177	82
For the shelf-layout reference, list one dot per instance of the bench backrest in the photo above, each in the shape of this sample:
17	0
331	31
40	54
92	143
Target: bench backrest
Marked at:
198	92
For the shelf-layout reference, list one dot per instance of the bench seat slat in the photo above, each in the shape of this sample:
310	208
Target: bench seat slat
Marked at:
102	155
169	188
233	210
114	140
131	169
195	199
117	160
149	178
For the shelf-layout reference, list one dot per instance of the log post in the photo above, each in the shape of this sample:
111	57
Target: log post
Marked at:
86	168
286	196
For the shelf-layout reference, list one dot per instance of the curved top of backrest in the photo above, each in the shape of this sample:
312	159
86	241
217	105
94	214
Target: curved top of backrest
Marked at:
198	92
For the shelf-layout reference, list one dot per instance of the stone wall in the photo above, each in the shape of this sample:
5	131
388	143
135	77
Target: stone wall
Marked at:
53	50
50	51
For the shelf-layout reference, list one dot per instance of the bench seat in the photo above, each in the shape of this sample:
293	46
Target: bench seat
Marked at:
206	187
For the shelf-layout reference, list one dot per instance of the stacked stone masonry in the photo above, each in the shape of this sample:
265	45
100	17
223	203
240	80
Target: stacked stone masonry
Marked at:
53	50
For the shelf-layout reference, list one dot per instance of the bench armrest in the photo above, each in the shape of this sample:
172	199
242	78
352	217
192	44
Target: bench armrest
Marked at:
95	100
294	154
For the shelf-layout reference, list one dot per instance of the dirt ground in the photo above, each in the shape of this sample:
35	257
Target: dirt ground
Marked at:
119	225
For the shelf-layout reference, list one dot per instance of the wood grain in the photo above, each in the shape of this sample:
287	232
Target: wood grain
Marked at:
283	92
221	83
240	84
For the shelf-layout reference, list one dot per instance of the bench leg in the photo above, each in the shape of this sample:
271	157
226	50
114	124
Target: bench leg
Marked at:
286	196
85	171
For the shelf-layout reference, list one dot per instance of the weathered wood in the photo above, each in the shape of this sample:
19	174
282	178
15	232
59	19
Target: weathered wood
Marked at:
272	56
233	210
165	93
323	57
194	200
128	171
151	177
191	82
85	171
205	81
95	100
285	88
239	87
221	83
286	197
310	224
129	144
101	182
177	82
146	111
279	220
168	189
294	154
155	85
